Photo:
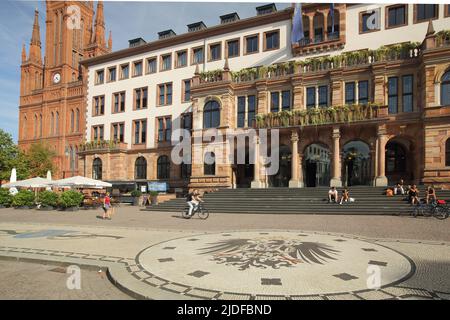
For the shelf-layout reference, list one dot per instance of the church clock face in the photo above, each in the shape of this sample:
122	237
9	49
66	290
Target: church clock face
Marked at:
56	78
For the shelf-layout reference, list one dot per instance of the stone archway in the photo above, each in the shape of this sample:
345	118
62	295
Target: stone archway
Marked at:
356	163
399	160
317	163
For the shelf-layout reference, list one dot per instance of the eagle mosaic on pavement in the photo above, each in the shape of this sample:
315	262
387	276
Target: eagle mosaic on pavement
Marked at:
268	253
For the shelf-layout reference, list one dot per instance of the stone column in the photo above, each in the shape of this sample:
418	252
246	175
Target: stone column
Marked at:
256	183
336	178
295	181
381	180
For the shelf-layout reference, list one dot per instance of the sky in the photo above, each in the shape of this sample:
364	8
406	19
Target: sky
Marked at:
127	20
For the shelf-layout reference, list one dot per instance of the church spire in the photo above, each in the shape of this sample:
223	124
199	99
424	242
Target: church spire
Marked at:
110	41
100	25
35	45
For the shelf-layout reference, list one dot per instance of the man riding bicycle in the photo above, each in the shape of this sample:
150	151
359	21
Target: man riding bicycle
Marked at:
193	199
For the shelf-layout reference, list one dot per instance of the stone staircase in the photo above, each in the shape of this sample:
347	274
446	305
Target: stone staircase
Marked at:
369	200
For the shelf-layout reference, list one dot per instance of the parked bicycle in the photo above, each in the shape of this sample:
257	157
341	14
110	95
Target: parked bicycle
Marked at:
199	209
438	209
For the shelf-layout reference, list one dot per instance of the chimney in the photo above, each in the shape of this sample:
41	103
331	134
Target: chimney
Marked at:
265	9
136	42
196	26
166	34
227	18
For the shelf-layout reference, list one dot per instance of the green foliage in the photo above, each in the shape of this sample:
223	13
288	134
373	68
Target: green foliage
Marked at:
23	198
39	159
8	156
70	198
48	198
154	193
5	197
136	193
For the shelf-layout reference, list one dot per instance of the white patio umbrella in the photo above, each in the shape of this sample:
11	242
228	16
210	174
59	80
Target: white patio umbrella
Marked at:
37	182
49	177
13	175
80	182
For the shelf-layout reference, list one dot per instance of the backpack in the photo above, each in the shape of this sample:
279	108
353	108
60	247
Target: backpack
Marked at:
189	197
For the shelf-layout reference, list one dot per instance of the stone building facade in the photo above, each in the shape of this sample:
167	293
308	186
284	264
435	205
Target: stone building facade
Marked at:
352	105
52	87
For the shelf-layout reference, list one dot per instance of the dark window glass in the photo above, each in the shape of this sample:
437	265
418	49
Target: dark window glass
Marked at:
112	74
215	51
272	40
140	168
233	48
251	105
116	102
209	165
121	132
395	158
426	11
323	96
163	167
152	65
187	90
144	98
445	89
186	170
211	115
241	112
407	82
396	16
160	129
144	131
349	93
274	101
125	71
363	92
181	59
310	97
169	94
100	77
97	169
138	68
137	126
137	95
168	129
252	44
393	95
167	62
447	153
198	55
286	100
186	121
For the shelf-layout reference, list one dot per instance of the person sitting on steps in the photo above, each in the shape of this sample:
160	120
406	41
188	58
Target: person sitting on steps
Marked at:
398	189
345	196
332	195
414	194
431	195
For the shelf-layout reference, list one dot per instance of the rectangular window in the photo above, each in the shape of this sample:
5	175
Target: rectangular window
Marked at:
363	92
118	132
140	98
181	59
112	74
271	40
251	110
186	121
166	62
323	96
98	133
396	16
164	129
447	10
151	65
251	44
393	95
99	106
369	21
215	51
407	93
349	93
137	68
100	77
425	12
310	97
124	71
140	131
165	94
286	100
241	112
186	97
119	102
198	55
233	48
274	101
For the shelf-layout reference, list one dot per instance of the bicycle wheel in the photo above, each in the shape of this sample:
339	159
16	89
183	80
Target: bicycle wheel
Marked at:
440	213
203	213
427	211
185	213
417	211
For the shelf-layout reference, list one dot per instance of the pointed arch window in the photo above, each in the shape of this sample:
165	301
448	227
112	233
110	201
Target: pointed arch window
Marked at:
72	121
211	115
445	89
52	124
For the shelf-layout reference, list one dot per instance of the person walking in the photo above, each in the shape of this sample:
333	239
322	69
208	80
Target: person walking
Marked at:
107	207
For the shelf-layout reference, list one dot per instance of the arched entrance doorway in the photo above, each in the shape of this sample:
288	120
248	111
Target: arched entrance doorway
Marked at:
356	163
399	161
317	165
244	171
281	179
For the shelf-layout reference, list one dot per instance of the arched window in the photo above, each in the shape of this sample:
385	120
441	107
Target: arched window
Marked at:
445	89
52	124
447	153
35	125
57	123
209	164
97	169
211	115
333	25
77	121
40	125
186	170
140	168
163	167
72	121
318	24
24	127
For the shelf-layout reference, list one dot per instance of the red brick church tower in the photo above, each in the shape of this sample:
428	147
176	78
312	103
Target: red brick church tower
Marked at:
52	89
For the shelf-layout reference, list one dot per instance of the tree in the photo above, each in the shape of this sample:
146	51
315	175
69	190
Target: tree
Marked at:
39	159
8	155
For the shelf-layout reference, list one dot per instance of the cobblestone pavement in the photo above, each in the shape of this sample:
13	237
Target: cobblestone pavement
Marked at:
161	256
24	280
